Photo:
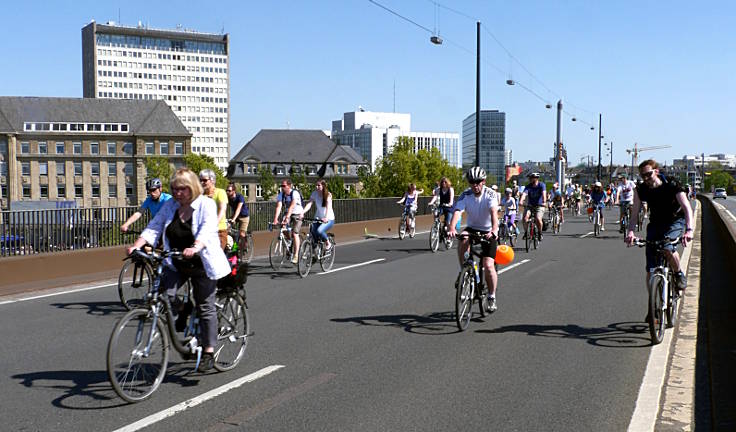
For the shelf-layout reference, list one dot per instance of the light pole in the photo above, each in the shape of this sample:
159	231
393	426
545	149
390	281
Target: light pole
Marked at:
610	166
600	136
558	159
477	96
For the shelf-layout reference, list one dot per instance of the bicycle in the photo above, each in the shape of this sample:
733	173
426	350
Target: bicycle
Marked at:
135	278
663	300
243	245
438	233
138	349
555	219
625	218
596	217
312	250
406	224
531	236
281	246
470	284
640	219
506	234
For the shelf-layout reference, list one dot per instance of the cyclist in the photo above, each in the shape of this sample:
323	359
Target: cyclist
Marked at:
509	205
598	198
241	213
291	200
445	194
322	199
188	223
534	199
670	216
207	177
625	198
153	202
577	196
556	203
481	208
410	198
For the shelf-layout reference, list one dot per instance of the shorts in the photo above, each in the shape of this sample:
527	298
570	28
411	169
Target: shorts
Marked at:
487	249
243	223
539	211
222	234
658	231
296	223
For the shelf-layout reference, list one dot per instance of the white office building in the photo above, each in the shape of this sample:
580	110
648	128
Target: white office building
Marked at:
373	134
189	70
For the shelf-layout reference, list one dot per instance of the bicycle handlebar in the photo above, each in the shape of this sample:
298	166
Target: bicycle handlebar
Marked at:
155	255
476	237
656	243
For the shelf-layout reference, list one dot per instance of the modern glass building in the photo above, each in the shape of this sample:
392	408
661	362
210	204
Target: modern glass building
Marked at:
188	70
492	142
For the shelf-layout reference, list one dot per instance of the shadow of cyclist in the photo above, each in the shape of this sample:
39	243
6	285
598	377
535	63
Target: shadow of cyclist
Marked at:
616	335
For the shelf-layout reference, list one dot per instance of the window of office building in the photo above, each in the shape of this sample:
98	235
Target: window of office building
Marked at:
164	148
77	147
78	191
61	191
95	191
60	147
60	168
128	169
26	191
178	148
111	148
25	168
44	191
94	148
77	168
42	147
112	190
128	190
149	148
43	168
95	168
3	168
25	148
259	191
128	148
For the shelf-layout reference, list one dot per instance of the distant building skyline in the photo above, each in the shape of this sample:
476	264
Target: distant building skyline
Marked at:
492	142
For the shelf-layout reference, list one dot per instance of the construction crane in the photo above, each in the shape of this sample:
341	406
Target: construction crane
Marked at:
635	154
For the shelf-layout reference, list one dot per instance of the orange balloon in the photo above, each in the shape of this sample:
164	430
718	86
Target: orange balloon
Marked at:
590	210
504	254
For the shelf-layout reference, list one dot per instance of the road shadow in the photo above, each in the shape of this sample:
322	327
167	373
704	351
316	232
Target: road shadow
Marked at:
436	323
80	388
101	308
616	335
407	250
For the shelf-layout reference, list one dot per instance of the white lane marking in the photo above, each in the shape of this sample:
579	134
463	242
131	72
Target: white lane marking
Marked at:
56	293
586	235
154	418
514	265
353	266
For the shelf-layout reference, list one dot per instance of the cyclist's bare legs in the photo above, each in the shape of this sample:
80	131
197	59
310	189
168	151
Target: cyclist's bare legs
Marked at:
462	247
491	275
673	258
538	218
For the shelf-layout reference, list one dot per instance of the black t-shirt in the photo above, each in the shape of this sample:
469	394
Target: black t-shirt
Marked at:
662	201
180	237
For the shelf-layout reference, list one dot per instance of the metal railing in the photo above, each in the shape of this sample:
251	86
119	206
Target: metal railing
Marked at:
43	231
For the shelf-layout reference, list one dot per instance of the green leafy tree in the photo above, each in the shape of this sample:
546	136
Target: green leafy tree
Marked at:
370	182
267	182
718	179
159	166
197	162
300	181
336	186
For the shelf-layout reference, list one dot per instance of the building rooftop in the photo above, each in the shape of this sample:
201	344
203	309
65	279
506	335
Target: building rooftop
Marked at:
142	30
299	145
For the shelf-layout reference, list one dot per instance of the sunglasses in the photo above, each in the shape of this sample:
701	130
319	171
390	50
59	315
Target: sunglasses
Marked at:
283	185
476	182
647	174
203	180
179	189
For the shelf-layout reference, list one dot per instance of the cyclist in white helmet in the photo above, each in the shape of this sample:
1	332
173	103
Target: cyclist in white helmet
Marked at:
481	206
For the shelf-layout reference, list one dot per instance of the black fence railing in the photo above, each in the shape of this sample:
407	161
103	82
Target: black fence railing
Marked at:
42	231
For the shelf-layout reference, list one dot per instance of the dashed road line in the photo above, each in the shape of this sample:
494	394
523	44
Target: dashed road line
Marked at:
586	235
353	266
16	300
524	261
157	417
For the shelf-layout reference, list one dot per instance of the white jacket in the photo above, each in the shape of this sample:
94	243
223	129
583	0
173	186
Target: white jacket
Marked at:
204	229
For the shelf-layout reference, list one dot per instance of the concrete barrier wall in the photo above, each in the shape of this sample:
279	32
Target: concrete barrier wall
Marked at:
29	273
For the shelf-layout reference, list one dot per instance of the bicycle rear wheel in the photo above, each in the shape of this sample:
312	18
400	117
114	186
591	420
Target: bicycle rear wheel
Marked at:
304	260
656	309
134	368
464	298
673	301
528	237
328	256
245	248
402	227
434	237
134	282
233	330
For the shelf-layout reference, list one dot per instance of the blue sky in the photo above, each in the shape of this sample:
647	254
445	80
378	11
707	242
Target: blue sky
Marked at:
661	73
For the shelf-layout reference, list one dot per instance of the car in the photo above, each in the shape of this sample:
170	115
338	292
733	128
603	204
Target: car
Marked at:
719	193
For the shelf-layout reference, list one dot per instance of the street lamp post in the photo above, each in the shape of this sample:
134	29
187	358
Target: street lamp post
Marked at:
558	159
610	166
600	136
477	96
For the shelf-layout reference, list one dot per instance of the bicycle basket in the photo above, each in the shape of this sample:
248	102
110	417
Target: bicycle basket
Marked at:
237	278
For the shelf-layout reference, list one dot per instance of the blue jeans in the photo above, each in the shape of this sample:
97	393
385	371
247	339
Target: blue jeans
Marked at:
319	229
658	231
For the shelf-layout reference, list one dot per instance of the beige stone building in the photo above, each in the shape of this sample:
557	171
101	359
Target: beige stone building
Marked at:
90	151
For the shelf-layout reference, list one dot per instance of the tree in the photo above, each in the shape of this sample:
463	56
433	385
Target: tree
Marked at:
159	166
336	186
718	178
267	182
299	180
198	162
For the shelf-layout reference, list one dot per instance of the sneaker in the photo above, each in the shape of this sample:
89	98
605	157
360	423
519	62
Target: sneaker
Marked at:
680	280
492	306
207	362
295	260
328	245
603	228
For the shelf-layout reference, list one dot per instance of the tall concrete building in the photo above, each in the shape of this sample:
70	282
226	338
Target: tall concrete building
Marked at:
492	142
188	70
373	135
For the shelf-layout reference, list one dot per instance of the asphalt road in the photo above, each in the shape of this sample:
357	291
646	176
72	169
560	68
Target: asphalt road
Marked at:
369	348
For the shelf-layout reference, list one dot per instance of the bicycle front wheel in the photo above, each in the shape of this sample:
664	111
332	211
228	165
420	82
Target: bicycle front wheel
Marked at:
245	248
233	331
137	355
304	260
434	237
656	309
464	298
134	282
328	256
276	253
402	228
